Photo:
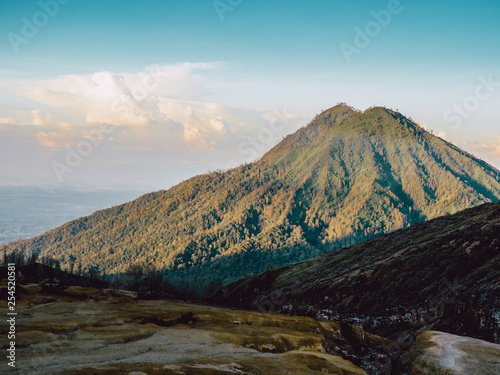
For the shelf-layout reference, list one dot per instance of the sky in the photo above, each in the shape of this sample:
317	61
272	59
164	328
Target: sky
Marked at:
144	94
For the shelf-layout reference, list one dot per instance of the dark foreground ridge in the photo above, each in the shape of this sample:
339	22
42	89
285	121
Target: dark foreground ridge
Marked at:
104	331
443	275
51	277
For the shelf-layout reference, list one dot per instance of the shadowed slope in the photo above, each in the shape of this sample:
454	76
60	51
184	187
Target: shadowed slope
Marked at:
443	274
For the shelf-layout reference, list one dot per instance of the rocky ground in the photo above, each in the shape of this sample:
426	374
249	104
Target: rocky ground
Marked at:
98	331
84	331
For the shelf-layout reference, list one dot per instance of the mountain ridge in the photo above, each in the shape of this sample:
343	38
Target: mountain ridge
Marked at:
345	177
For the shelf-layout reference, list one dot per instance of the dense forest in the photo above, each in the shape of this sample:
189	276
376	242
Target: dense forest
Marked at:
345	177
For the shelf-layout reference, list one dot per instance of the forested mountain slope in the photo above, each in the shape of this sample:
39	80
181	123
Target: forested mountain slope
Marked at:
345	177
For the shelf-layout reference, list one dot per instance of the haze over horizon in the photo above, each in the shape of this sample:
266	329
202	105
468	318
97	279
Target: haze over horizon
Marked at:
126	94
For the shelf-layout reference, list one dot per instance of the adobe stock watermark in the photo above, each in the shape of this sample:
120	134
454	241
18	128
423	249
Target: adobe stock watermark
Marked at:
372	29
31	26
224	6
253	146
486	88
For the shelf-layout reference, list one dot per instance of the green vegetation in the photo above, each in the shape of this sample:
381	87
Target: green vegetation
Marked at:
346	177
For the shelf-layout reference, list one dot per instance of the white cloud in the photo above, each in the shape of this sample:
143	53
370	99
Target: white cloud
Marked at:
489	151
7	120
156	104
442	134
423	126
492	147
218	125
117	98
158	120
37	118
33	117
52	140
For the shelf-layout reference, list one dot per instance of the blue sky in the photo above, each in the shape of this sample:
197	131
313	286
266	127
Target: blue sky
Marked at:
223	75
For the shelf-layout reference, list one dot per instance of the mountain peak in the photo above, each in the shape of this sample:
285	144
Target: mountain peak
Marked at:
374	120
376	116
319	126
383	121
337	113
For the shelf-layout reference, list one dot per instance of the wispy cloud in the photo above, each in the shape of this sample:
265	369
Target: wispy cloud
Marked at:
52	140
490	151
7	120
35	117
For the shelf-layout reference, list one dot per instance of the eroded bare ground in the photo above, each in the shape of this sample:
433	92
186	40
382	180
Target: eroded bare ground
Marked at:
84	331
438	353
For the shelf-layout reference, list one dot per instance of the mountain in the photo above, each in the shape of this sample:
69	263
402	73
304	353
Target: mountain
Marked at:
443	274
345	177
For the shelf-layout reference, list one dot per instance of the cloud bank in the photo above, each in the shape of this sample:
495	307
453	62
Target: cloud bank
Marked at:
156	114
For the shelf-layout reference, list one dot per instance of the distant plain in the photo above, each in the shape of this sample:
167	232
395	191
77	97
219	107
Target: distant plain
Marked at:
27	211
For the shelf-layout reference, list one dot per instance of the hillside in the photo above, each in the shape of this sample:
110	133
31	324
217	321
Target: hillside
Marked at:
443	274
346	177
